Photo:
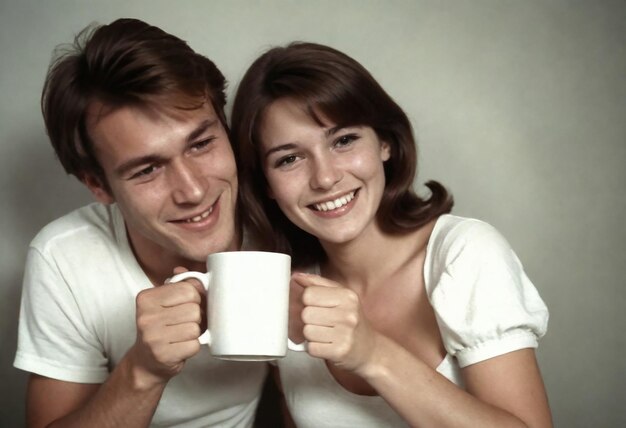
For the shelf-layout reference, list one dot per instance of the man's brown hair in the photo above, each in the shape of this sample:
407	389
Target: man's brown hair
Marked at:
125	63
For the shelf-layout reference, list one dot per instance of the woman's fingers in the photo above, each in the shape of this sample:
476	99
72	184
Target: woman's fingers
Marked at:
309	279
328	317
330	297
316	333
334	323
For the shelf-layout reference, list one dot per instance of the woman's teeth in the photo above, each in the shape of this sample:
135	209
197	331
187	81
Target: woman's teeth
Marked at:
337	203
199	217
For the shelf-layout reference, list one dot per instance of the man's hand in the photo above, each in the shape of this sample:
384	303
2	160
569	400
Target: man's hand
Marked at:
168	325
170	318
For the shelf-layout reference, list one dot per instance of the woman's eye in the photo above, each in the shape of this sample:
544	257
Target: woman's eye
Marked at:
286	160
345	140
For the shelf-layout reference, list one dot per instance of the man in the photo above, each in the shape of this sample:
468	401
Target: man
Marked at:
137	116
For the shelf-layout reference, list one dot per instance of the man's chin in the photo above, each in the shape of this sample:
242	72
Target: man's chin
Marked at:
197	257
197	248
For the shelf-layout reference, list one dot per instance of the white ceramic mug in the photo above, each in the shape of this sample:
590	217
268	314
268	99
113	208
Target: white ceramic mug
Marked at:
247	305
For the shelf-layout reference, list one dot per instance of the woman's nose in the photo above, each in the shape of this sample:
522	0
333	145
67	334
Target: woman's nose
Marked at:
325	174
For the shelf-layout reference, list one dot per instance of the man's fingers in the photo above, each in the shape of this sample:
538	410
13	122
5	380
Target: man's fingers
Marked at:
180	269
183	332
197	285
178	352
181	314
191	280
167	296
179	293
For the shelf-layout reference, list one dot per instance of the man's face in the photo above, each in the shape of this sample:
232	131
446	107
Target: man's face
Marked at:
174	180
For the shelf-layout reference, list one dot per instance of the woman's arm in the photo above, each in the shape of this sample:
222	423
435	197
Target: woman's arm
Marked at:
501	391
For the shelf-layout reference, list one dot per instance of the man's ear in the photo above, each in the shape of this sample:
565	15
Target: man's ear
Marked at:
98	189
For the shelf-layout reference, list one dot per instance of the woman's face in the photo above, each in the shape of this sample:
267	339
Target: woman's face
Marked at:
327	180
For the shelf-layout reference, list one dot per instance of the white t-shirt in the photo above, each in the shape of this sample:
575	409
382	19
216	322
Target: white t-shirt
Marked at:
77	321
485	306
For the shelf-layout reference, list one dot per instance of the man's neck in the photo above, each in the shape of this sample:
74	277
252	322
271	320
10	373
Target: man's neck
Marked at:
158	264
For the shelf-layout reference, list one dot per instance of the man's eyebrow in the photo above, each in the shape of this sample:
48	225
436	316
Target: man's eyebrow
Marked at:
201	128
130	164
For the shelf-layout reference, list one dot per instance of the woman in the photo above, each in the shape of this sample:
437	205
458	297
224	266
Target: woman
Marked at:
412	316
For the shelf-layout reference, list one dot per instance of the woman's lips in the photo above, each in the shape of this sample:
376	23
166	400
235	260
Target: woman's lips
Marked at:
334	204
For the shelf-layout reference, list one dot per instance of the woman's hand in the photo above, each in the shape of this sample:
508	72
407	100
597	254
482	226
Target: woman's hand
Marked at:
333	322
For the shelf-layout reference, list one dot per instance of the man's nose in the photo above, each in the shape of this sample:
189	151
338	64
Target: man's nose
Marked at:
187	183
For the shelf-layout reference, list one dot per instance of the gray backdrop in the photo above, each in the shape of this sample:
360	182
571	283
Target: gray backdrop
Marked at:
518	106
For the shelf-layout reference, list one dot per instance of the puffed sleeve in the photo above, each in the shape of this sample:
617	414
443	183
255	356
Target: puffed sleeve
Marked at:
484	303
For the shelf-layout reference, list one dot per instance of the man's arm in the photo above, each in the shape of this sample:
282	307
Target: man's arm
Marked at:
168	326
52	403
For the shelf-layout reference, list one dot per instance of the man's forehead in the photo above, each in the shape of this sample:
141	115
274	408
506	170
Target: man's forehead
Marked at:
97	111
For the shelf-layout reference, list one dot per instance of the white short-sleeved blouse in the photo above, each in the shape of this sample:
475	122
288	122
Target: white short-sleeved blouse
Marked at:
485	306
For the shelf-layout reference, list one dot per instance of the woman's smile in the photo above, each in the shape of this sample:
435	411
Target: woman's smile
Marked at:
334	204
318	172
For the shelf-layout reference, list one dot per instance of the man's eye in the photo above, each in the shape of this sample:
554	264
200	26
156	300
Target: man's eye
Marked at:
200	145
144	172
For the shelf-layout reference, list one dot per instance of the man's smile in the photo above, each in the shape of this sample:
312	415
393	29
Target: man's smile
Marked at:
198	217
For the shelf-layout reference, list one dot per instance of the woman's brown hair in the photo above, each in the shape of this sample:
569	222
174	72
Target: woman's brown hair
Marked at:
326	83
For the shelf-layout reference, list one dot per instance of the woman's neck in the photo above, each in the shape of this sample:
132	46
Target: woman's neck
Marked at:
367	261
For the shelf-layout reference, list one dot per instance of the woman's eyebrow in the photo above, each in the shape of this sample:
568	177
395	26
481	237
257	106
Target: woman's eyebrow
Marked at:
288	146
334	130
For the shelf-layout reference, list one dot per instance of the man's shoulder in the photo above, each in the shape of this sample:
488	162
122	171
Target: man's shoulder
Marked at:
78	227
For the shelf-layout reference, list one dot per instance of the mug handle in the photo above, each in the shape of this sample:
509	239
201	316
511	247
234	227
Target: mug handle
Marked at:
296	346
204	278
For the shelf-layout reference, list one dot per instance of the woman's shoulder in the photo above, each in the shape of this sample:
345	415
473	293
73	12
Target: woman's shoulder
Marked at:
485	303
463	247
453	234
